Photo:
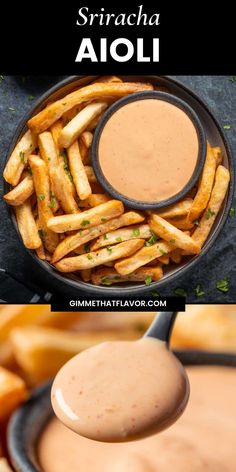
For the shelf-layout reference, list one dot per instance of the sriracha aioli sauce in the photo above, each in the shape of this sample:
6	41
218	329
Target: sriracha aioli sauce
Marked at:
148	150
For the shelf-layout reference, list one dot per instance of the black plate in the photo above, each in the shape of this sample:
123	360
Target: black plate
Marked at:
213	132
29	421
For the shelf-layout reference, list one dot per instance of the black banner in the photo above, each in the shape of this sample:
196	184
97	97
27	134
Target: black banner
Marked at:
111	303
122	37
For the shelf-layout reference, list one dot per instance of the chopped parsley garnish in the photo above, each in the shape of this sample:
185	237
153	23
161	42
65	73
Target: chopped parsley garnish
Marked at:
199	291
227	126
86	247
85	223
80	232
89	257
152	240
119	239
155	293
22	157
109	250
136	232
162	252
103	220
41	196
231	212
52	200
29	170
42	233
196	222
172	241
30	97
181	292
223	285
148	280
209	213
106	281
66	165
105	236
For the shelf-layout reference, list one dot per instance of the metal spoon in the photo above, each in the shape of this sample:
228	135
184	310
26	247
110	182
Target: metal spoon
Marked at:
162	325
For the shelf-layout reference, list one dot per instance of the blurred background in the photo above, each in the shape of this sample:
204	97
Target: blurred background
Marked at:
35	343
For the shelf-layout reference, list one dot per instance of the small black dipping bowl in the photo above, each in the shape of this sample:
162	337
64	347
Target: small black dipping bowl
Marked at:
30	420
167	97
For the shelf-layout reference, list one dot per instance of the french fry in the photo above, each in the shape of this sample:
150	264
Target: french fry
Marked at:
54	111
80	122
94	200
217	197
178	209
82	237
19	157
181	223
143	257
172	234
123	234
217	151
57	176
110	276
176	255
12	392
4	466
90	174
27	225
87	138
21	192
56	129
165	260
78	172
86	219
93	259
205	187
86	275
41	253
41	352
83	152
108	78
42	189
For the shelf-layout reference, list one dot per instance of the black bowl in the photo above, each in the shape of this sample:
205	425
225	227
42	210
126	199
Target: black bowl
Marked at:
167	97
213	132
29	421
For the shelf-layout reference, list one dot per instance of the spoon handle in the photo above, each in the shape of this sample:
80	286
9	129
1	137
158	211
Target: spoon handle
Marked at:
161	326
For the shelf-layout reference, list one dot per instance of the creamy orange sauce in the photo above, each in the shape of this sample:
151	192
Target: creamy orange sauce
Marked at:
203	439
148	150
120	390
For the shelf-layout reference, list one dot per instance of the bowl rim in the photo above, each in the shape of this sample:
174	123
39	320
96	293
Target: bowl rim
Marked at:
23	455
97	290
147	95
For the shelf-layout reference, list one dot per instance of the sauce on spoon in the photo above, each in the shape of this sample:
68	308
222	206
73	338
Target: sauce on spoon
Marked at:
121	390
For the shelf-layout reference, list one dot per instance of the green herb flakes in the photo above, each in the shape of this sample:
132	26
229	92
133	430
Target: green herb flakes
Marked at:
106	281
85	223
209	213
223	285
41	196
180	292
231	212
136	232
199	292
148	280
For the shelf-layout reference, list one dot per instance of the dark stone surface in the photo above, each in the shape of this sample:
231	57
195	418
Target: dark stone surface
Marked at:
219	92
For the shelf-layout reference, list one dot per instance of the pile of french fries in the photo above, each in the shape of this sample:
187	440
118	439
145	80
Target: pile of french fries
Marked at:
64	214
34	344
